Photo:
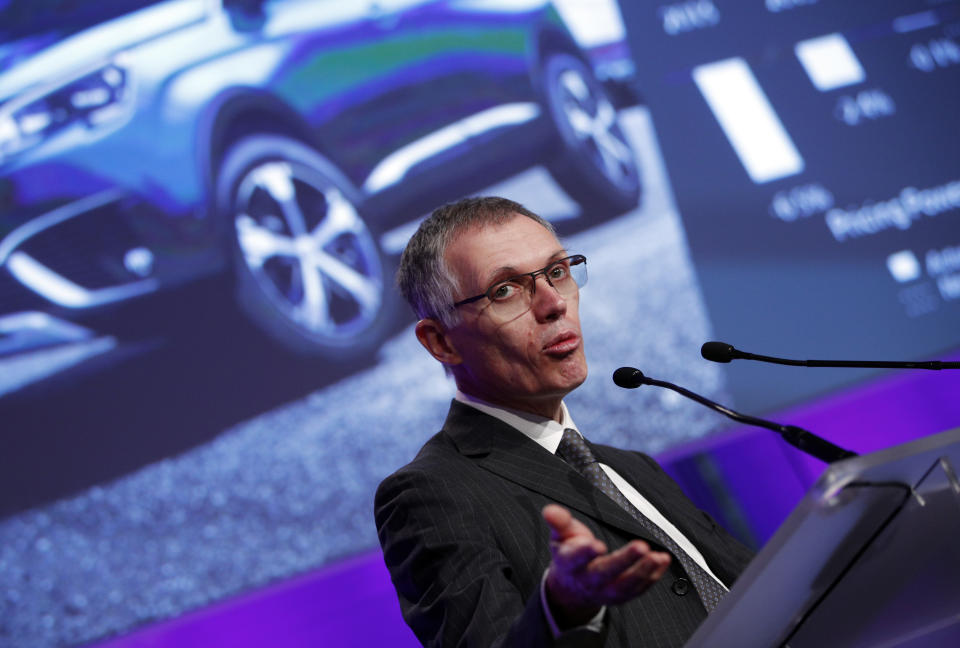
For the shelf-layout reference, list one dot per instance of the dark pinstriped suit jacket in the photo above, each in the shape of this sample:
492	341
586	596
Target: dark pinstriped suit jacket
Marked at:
466	546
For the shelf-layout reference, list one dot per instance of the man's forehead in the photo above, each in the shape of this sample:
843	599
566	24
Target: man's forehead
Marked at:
485	249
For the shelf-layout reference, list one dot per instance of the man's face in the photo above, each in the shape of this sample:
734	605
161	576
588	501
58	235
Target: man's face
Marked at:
533	360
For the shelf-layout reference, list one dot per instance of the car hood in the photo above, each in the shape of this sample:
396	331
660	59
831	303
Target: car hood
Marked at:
39	59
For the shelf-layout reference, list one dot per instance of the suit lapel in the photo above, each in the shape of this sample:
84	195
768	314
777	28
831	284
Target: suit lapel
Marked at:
507	452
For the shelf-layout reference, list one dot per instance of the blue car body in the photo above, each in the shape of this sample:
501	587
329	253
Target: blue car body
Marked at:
114	141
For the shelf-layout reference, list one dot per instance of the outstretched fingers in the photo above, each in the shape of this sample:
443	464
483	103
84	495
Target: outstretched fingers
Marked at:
584	575
634	572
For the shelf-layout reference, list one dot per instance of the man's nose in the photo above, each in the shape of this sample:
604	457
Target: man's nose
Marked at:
547	302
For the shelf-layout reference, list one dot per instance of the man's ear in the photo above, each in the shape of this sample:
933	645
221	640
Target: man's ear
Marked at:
433	336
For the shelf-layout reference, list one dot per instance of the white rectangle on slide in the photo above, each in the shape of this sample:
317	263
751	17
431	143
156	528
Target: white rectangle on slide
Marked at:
748	120
829	62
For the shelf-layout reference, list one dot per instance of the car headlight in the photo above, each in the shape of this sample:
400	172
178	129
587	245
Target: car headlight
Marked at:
88	100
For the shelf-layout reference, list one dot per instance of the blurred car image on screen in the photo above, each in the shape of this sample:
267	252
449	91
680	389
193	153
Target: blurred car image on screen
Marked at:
272	142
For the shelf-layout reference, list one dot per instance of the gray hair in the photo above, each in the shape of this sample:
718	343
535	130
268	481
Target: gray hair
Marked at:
423	277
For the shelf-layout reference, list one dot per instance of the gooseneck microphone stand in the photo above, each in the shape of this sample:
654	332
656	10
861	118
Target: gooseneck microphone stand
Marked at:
804	440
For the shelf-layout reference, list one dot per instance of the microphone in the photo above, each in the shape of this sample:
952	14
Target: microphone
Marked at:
718	352
723	352
629	378
808	442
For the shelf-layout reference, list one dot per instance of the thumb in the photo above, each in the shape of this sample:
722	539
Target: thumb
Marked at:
562	523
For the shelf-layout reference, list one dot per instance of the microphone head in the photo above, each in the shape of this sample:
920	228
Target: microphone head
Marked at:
628	377
718	351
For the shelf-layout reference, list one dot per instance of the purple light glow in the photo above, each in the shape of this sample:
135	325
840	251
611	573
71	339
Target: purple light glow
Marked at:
767	477
349	605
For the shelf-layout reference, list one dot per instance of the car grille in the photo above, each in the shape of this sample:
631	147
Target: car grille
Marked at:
88	250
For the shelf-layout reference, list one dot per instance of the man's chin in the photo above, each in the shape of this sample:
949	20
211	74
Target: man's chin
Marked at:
572	374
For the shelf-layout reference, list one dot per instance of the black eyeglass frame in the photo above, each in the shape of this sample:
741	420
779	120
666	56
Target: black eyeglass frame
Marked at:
572	260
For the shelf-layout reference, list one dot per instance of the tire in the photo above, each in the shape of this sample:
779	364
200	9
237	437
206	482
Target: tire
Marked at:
308	271
597	166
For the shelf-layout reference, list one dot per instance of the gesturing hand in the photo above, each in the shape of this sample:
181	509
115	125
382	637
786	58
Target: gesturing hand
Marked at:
583	576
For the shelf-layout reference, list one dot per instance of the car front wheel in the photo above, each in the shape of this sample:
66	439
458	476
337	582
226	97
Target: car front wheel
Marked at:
308	269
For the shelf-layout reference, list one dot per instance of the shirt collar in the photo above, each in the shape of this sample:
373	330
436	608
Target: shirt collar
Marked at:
544	431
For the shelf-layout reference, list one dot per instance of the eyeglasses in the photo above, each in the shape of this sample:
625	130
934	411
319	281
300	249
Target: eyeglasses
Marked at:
513	296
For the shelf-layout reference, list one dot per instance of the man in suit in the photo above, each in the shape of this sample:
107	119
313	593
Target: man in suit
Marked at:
509	528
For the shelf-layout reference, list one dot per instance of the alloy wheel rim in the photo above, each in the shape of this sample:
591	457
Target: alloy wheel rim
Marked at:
308	249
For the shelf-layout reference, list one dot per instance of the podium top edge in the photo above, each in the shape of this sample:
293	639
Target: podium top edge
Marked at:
942	443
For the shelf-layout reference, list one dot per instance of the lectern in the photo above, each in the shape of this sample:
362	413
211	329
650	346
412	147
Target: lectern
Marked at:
870	557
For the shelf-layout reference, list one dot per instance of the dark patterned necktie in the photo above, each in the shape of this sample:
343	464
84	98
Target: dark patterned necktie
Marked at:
574	450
